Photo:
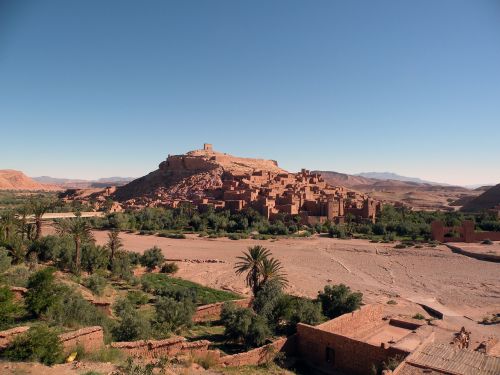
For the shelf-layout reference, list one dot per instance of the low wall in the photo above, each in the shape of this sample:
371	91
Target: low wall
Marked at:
8	335
331	352
153	349
89	338
212	312
471	254
260	355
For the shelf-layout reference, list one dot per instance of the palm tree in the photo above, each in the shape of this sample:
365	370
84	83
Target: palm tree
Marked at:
251	262
39	206
272	270
80	230
114	244
18	251
8	222
23	212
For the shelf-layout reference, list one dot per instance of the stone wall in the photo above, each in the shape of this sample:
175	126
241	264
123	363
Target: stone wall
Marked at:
152	349
261	355
7	336
89	338
466	233
212	311
348	324
330	351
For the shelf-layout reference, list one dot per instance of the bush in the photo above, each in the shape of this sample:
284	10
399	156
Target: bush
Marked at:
418	316
258	332
270	302
5	260
9	308
96	283
122	265
171	315
132	325
70	309
40	295
17	275
338	299
169	268
487	242
236	321
37	344
304	311
137	297
152	258
94	257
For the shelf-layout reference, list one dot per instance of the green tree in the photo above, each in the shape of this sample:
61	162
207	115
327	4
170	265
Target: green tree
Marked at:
338	299
80	230
41	291
272	270
40	206
152	258
8	224
114	245
251	264
170	315
236	321
9	308
5	260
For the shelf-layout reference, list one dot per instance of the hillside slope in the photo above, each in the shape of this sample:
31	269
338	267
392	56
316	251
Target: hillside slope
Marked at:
487	200
16	180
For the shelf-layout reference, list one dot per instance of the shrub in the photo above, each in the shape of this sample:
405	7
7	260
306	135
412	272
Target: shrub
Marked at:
9	308
5	260
487	242
70	309
392	302
17	275
304	311
132	325
94	257
122	265
270	302
236	321
152	258
258	332
418	316
137	297
40	295
338	299
37	344
96	283
169	268
171	315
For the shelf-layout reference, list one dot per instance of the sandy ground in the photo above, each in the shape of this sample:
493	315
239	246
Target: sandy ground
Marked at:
463	285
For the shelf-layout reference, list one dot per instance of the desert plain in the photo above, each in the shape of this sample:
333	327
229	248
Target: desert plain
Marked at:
465	289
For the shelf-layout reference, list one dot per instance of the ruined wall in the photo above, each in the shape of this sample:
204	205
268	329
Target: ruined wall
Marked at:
153	349
212	311
346	354
466	231
348	324
7	336
90	338
261	355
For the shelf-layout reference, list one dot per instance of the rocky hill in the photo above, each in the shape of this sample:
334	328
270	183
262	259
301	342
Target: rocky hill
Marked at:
71	183
487	200
188	176
16	180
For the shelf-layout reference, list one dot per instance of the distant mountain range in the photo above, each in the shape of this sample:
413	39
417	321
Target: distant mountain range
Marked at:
396	177
80	183
16	180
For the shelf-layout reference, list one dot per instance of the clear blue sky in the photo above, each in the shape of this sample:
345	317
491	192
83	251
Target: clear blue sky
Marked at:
104	88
